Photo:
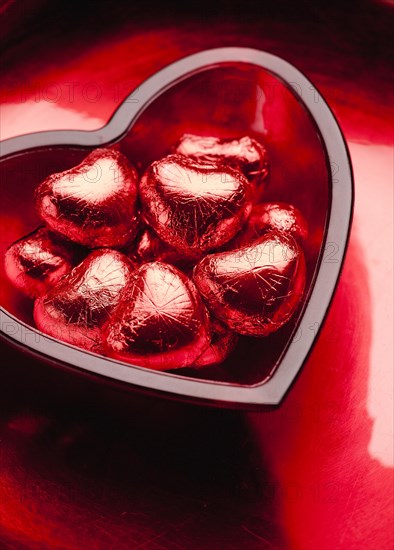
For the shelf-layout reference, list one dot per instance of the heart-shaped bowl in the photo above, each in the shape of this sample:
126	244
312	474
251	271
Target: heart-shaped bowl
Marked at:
225	92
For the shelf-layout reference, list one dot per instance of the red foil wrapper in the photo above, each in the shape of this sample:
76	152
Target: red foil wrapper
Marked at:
76	308
223	341
94	203
278	216
37	261
255	289
149	248
244	153
270	217
160	323
194	207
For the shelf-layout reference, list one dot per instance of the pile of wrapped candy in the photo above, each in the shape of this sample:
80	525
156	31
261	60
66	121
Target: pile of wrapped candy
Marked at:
167	270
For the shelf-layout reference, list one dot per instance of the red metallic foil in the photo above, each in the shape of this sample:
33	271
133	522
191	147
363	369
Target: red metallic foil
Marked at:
223	342
244	153
149	247
37	261
270	216
160	323
278	216
94	203
77	307
194	207
254	289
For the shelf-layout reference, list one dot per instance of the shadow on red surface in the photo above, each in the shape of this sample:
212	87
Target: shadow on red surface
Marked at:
127	470
84	465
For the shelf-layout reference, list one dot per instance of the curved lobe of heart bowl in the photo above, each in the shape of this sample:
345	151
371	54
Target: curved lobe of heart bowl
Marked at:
226	101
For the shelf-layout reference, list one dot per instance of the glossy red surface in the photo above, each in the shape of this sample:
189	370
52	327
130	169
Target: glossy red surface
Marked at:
84	465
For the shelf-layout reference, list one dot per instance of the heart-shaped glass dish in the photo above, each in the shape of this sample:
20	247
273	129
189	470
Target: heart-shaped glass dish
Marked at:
227	92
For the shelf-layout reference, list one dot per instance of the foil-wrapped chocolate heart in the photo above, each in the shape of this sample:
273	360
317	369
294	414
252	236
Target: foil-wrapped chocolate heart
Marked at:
223	342
270	216
255	289
37	261
244	153
160	321
77	307
94	203
194	207
148	247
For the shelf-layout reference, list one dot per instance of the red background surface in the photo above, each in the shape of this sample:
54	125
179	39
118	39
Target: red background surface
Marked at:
83	465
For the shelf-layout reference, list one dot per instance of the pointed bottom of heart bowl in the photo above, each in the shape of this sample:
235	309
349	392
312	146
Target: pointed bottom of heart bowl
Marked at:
229	92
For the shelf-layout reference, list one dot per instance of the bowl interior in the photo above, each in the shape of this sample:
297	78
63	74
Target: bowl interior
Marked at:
230	100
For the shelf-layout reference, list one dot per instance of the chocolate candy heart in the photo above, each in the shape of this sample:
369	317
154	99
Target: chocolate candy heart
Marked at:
192	206
37	261
148	248
278	216
160	322
223	341
81	302
93	204
270	216
254	289
245	153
